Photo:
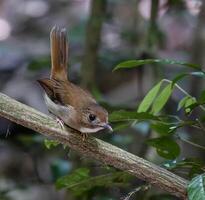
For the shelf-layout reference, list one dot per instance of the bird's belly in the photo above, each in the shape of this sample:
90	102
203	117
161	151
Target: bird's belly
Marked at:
65	113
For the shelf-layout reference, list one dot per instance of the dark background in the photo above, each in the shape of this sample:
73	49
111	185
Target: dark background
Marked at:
101	33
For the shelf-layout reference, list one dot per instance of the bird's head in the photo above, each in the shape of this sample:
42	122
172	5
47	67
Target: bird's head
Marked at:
94	118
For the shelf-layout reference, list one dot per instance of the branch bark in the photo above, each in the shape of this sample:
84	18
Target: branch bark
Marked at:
92	147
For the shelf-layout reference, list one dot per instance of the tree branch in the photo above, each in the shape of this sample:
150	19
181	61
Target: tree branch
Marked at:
92	147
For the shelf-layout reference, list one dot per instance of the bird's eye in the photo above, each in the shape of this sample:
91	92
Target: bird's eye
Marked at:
92	117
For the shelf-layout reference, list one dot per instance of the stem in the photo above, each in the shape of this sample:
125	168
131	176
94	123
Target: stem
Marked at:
191	143
183	91
143	188
201	125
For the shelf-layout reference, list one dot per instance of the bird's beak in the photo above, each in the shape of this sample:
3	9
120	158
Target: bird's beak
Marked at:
107	126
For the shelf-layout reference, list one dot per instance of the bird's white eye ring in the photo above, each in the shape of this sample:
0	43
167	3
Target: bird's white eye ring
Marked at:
92	117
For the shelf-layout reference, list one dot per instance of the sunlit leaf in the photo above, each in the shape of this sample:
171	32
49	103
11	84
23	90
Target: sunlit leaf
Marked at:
196	188
123	115
162	99
166	147
136	63
188	103
183	124
182	102
50	143
149	98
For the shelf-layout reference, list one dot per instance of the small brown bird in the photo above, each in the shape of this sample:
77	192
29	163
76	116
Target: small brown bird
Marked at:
69	103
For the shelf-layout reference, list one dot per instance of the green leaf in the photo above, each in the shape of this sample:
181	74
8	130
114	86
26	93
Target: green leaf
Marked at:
182	102
162	99
71	180
149	98
196	188
182	123
50	143
162	129
188	103
198	73
193	166
123	115
166	147
136	63
129	64
181	76
196	170
121	125
80	185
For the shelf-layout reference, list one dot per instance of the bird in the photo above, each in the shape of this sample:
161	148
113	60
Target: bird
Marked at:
70	104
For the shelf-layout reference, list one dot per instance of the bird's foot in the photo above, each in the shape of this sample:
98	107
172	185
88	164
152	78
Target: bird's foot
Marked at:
60	122
84	136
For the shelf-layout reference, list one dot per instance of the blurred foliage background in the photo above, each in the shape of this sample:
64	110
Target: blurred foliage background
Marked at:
102	34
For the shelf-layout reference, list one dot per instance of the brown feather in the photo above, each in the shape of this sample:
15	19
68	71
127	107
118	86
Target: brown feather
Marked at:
59	54
66	93
46	84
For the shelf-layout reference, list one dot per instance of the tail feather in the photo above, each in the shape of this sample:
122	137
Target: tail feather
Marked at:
59	53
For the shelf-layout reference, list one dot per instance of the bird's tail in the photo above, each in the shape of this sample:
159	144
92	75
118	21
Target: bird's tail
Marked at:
59	54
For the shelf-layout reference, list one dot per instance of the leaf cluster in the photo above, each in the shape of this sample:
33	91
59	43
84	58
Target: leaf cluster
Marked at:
168	127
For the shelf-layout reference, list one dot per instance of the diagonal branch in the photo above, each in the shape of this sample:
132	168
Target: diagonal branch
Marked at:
92	147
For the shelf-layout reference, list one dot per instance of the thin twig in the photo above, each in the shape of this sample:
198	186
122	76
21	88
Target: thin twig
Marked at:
191	143
201	124
140	188
183	91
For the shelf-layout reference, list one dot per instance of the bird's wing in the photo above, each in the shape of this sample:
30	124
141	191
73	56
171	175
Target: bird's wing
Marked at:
66	93
51	88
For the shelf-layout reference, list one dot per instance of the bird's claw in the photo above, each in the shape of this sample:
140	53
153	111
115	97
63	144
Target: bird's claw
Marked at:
60	122
84	136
